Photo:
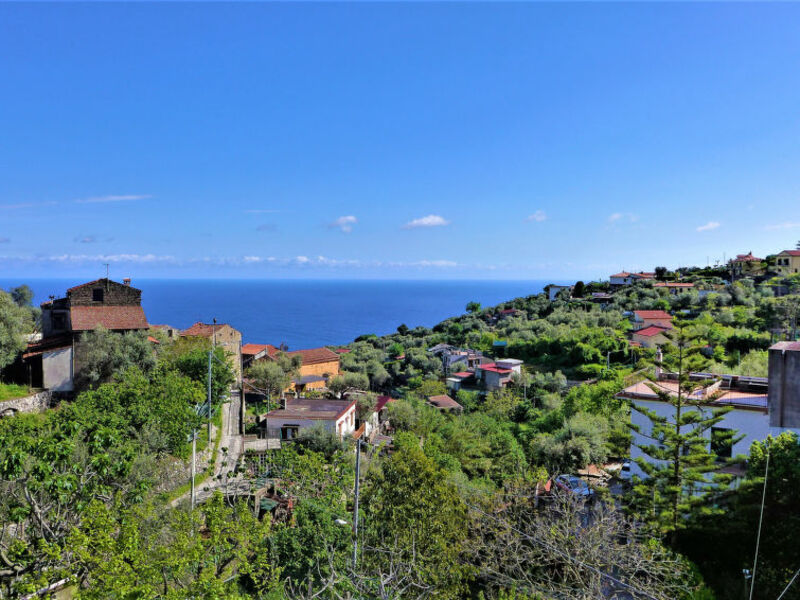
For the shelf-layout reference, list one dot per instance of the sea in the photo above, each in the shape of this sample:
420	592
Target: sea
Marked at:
305	313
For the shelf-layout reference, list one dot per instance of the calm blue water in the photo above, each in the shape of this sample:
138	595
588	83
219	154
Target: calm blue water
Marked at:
305	313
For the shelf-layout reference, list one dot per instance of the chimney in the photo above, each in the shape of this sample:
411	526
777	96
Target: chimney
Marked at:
659	359
126	281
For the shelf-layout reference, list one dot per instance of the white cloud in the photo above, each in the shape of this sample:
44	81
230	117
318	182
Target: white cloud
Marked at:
537	217
429	221
113	198
86	239
618	217
786	225
344	223
26	205
709	226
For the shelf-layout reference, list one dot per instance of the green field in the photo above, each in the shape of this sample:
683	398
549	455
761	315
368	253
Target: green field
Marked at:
9	391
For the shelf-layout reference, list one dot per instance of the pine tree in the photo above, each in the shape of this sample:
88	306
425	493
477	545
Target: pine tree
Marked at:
684	476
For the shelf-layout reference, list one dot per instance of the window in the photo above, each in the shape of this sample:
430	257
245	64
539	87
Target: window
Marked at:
722	442
59	321
289	432
97	295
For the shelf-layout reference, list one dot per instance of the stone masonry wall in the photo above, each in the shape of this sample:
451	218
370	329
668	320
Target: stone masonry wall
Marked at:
34	403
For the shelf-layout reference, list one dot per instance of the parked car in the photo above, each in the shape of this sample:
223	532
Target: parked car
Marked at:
625	471
574	485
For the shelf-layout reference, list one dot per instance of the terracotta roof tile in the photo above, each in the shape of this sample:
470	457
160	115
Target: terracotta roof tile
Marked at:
86	318
315	356
444	402
202	329
652	314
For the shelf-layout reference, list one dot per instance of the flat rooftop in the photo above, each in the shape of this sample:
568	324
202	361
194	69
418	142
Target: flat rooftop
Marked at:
727	390
308	408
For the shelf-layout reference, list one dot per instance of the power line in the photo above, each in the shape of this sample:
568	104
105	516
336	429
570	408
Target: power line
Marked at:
760	521
789	584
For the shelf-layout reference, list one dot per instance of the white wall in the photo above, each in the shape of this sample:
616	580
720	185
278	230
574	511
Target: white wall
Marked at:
752	425
57	370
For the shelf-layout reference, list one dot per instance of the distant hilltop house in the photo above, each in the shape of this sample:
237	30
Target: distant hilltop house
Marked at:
317	365
168	330
674	287
497	375
647	318
761	406
746	264
451	355
651	336
787	262
625	278
554	290
223	335
55	360
445	403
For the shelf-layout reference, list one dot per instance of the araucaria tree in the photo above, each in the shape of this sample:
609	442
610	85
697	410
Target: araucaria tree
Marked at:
682	473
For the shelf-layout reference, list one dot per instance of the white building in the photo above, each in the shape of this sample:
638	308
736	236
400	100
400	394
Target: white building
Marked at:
626	278
761	406
338	416
498	374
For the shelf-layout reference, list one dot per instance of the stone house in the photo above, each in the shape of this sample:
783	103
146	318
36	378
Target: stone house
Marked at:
225	336
55	360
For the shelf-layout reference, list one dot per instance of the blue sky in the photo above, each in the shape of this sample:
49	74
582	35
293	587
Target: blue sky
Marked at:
395	140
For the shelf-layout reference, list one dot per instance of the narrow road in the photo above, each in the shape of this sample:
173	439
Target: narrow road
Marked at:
224	462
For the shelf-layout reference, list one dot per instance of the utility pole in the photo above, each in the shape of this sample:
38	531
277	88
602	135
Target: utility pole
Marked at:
210	357
355	505
194	462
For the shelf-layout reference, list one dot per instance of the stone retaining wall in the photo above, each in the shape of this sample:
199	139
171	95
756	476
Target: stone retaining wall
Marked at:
34	403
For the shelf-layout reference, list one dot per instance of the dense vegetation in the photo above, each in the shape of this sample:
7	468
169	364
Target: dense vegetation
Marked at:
91	490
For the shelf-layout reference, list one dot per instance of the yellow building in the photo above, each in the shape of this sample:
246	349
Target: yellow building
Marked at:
788	262
317	365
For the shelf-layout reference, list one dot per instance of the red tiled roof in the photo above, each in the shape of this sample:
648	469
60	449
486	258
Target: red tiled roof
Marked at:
315	355
202	329
86	318
150	338
494	368
463	374
791	252
651	330
56	342
790	346
747	258
382	401
254	349
652	314
443	401
342	350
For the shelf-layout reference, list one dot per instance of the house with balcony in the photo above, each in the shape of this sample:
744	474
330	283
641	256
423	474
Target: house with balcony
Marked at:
746	265
787	262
